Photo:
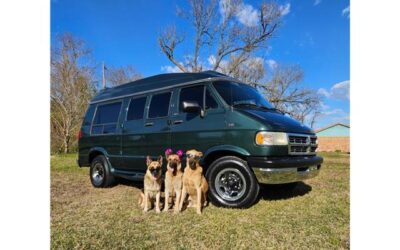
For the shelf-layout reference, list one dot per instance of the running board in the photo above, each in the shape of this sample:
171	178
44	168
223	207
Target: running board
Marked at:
130	175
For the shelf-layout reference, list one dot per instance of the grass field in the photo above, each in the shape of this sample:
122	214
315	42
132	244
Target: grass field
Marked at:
313	216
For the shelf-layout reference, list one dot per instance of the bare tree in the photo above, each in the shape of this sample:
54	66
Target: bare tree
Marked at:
285	92
251	71
121	75
230	41
71	89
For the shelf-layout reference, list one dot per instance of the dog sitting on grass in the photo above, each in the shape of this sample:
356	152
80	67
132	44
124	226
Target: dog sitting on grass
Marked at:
194	182
173	179
152	185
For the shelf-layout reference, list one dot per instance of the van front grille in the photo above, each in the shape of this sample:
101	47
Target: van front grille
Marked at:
300	144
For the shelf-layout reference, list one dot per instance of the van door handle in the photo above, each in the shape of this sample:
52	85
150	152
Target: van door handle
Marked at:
177	121
149	124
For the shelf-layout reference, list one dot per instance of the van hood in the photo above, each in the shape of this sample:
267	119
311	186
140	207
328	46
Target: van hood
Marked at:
276	121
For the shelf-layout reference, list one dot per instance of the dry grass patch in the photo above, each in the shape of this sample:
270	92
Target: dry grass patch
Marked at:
315	215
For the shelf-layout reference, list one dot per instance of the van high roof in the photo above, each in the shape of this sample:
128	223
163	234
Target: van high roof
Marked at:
157	82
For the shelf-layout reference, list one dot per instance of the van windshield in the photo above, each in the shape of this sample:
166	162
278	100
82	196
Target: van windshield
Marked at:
238	94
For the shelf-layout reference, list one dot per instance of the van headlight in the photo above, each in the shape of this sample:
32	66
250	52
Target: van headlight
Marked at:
271	138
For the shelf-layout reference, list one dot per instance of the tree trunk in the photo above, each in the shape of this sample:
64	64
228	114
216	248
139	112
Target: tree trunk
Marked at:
66	144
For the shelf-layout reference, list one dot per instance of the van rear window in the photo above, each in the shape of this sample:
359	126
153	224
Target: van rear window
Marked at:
159	105
136	109
106	118
107	113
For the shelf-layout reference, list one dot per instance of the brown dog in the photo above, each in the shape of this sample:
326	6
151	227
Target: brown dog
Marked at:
152	185
173	180
194	182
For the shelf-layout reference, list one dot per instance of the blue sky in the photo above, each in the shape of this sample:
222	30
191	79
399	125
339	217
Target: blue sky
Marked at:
315	35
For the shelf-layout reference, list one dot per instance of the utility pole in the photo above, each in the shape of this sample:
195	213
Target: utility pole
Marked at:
104	76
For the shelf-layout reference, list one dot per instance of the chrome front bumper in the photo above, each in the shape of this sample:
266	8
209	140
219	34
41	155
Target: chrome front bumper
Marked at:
285	175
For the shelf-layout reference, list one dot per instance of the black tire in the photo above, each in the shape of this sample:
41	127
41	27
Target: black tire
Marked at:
234	169
100	174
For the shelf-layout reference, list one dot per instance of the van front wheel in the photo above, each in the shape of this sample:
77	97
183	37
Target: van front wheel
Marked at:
232	183
100	174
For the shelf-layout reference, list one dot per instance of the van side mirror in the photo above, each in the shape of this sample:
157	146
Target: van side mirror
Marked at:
192	107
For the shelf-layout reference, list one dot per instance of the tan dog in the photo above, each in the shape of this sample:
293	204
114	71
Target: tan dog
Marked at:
194	182
152	185
173	180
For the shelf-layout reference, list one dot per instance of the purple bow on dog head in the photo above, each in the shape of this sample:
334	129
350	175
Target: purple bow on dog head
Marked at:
170	152
179	153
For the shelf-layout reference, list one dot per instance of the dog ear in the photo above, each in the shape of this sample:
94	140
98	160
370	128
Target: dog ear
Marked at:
160	160
148	160
200	154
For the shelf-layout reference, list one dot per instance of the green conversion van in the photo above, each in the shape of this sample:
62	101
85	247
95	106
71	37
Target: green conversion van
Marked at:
244	140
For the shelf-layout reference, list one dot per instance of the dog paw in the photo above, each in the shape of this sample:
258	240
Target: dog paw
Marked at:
158	211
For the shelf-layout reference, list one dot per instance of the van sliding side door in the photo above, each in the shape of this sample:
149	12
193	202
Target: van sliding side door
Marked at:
156	133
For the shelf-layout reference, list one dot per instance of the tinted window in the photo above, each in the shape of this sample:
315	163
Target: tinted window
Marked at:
108	113
239	93
210	101
136	109
97	129
87	121
159	105
105	121
192	94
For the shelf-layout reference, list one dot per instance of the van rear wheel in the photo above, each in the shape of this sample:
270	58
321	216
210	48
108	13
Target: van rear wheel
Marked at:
100	174
232	183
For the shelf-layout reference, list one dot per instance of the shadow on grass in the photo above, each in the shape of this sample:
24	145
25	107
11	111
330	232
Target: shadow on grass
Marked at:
125	182
283	191
267	192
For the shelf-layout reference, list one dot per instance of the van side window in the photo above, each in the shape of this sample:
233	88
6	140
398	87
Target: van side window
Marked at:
191	94
159	105
210	101
106	118
136	109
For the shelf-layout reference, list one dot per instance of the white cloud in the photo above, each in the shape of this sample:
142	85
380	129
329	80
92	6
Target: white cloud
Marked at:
247	15
211	60
256	59
170	69
334	112
340	91
224	6
324	107
285	9
346	11
272	64
331	116
324	92
316	2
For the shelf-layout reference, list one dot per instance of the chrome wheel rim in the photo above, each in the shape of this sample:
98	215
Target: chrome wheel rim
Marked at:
230	184
98	173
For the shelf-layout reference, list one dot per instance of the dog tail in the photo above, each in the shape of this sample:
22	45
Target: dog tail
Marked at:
141	200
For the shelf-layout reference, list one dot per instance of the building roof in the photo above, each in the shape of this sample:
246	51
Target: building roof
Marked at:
162	81
330	126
